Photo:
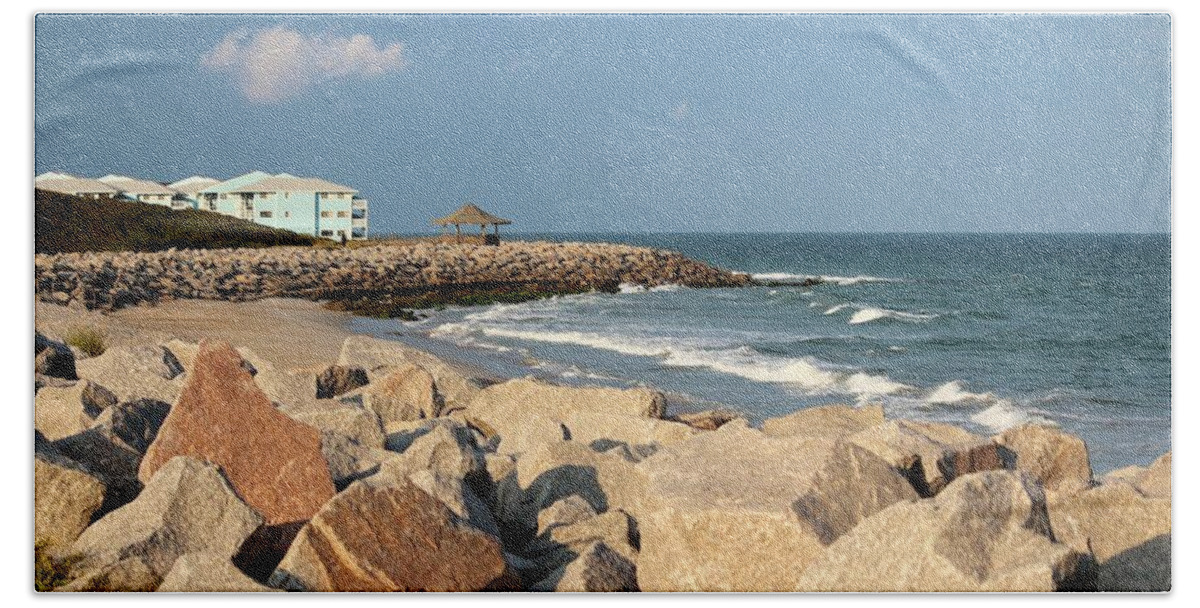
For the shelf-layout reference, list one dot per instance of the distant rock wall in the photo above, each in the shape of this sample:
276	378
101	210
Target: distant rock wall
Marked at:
111	280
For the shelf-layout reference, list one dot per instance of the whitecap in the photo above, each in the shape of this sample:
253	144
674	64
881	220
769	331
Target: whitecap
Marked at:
836	280
1005	415
836	309
954	392
873	313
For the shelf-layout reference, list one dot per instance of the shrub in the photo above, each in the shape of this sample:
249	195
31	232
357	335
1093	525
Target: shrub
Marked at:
90	340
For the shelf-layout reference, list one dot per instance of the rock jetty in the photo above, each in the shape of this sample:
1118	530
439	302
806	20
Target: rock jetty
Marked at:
111	280
392	470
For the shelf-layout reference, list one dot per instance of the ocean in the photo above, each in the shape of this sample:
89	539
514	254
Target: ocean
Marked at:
986	331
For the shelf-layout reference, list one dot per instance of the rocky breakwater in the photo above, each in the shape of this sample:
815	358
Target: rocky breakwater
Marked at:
112	280
391	470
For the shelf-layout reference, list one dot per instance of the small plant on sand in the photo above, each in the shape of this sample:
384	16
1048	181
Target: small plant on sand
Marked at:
49	572
90	340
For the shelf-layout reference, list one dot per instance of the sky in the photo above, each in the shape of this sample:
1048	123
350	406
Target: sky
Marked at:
637	123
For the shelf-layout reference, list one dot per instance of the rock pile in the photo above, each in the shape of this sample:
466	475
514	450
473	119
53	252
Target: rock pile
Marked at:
113	280
207	469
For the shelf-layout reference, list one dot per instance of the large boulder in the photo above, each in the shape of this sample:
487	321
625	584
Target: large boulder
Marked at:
273	462
527	412
208	572
405	394
381	357
447	463
53	359
1155	481
1057	459
113	463
987	531
737	510
65	496
1128	531
825	422
598	428
134	372
554	471
392	538
63	411
187	507
561	544
929	454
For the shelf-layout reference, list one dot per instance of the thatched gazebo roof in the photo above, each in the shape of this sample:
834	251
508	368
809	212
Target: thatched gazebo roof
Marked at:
471	215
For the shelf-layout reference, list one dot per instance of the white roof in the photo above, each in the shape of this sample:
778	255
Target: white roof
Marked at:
52	175
195	181
290	183
129	185
74	185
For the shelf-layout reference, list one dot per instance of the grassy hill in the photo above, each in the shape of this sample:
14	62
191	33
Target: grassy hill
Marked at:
69	223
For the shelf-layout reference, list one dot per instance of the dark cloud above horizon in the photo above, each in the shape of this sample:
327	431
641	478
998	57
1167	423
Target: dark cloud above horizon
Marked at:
875	123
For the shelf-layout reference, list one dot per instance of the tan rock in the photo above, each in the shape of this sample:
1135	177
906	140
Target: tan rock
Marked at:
114	463
339	379
405	393
135	372
380	357
394	538
65	497
1127	531
590	427
1058	460
1155	481
825	422
186	507
986	531
707	420
526	412
60	411
273	462
208	572
929	454
554	471
737	510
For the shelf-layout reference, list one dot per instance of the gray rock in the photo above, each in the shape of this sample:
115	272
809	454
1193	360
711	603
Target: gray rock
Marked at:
986	531
65	496
133	424
208	572
929	454
380	357
187	507
114	463
404	394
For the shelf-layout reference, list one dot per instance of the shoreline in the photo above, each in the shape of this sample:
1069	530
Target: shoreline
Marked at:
809	501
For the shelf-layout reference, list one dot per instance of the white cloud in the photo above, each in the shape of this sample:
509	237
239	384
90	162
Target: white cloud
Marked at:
275	64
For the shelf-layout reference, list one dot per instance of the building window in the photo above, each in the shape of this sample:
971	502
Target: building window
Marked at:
326	233
222	197
341	233
266	214
343	214
287	214
326	214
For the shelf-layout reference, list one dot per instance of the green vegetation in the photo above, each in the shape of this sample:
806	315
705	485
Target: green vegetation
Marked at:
49	572
90	340
69	223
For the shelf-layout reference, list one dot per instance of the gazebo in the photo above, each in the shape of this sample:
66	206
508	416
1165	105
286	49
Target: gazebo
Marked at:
471	215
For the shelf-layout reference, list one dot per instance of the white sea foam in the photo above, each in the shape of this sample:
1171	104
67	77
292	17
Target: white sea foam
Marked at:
873	313
836	309
787	276
639	288
954	392
1005	415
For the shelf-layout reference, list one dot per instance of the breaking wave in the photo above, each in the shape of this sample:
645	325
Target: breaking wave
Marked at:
873	313
836	280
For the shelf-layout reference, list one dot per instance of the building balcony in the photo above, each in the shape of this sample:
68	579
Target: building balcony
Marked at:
359	222
359	203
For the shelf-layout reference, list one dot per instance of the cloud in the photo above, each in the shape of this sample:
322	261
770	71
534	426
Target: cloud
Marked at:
275	64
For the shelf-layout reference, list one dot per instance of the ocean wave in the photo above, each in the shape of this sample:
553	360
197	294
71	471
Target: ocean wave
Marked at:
954	392
807	374
835	309
836	280
873	313
1005	415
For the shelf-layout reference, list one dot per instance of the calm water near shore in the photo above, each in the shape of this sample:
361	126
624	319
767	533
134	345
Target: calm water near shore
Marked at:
983	330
